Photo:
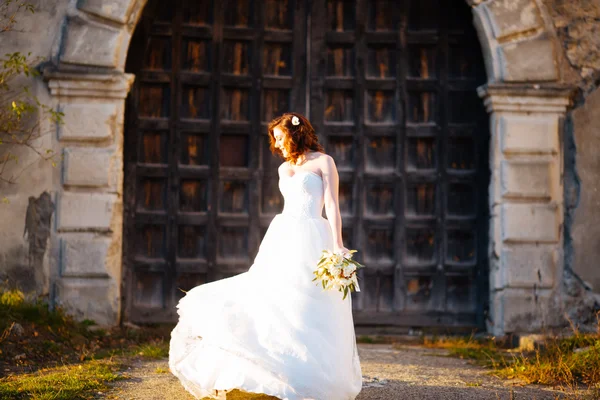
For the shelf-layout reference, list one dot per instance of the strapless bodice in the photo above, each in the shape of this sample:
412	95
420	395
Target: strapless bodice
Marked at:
302	194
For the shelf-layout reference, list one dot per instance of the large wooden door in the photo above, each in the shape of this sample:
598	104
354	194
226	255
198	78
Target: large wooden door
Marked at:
389	86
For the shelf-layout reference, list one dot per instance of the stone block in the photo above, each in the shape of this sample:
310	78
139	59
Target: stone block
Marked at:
90	43
530	223
83	211
521	310
88	122
529	61
86	167
529	134
528	266
95	299
511	17
526	179
84	258
115	10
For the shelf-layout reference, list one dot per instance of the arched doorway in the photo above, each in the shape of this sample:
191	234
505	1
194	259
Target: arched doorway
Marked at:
390	88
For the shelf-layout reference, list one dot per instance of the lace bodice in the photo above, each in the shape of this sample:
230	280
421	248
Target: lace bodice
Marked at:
302	194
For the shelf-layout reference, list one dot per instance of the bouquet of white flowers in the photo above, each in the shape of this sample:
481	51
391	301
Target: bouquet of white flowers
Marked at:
336	271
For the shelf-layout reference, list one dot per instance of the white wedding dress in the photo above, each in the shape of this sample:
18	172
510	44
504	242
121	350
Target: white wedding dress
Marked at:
272	330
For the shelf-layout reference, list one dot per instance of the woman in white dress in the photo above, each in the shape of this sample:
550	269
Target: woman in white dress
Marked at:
272	330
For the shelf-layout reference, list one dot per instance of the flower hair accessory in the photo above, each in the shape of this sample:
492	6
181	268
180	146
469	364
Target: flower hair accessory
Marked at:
295	120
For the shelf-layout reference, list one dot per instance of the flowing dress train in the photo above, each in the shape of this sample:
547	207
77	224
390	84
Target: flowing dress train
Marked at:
271	329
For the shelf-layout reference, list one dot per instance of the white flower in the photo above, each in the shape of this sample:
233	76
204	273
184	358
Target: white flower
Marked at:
336	259
345	281
295	120
349	269
335	270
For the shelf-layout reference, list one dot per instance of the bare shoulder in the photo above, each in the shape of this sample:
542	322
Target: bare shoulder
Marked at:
327	159
326	163
323	157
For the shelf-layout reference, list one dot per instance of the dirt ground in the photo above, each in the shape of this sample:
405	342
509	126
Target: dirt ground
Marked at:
388	373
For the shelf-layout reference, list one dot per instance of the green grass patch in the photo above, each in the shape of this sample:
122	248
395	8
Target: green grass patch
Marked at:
365	339
62	383
154	350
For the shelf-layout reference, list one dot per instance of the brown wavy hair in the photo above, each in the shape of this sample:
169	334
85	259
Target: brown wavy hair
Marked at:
298	139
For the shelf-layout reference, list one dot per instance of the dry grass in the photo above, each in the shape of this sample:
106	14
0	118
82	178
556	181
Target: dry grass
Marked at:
569	362
52	338
154	350
484	351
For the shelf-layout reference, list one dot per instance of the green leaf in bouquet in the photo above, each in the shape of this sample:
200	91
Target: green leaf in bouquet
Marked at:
345	293
324	283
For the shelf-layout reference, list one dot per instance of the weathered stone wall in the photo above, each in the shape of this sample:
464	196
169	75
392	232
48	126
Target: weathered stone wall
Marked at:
22	266
577	26
585	228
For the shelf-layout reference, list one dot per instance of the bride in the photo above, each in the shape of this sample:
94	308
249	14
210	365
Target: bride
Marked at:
272	330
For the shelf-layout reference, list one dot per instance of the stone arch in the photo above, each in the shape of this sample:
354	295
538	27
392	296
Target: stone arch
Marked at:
515	36
523	95
516	40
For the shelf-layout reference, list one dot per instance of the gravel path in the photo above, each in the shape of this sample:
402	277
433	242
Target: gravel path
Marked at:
388	373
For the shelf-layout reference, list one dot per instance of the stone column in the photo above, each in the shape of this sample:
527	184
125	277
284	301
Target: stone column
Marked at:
87	240
526	205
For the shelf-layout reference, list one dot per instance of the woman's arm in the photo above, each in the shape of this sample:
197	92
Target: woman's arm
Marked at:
332	209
